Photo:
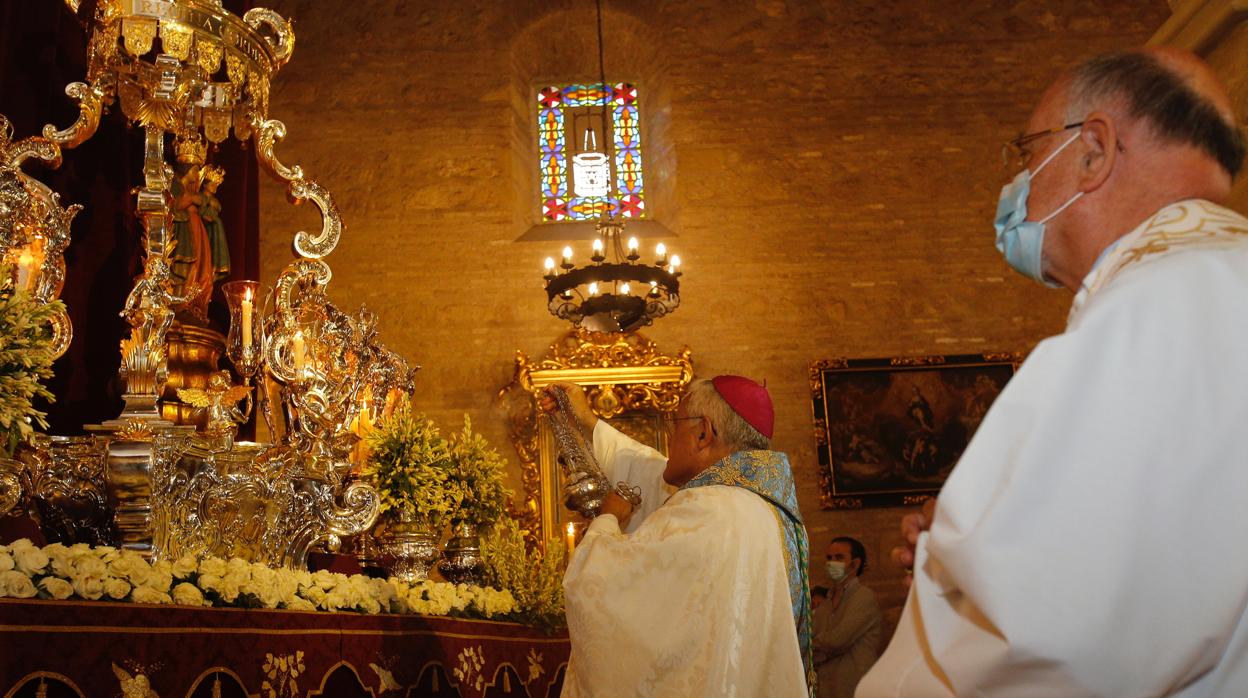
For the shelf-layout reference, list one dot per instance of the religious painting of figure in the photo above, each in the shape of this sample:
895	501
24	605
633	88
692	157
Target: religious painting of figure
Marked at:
890	430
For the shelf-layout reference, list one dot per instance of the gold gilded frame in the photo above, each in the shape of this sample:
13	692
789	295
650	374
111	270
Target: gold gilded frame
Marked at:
622	373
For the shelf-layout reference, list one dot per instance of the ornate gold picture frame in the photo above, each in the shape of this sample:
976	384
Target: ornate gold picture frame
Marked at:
889	431
629	382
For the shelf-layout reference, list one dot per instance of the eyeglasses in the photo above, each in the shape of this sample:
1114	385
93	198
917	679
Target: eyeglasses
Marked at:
1015	155
669	421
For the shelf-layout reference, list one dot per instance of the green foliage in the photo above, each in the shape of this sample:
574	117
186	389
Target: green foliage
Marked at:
409	465
477	477
534	577
25	359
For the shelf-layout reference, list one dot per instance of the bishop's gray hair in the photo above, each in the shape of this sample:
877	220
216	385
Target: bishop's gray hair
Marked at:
703	400
1157	95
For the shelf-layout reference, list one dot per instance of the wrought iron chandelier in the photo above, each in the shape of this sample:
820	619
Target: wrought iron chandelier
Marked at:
615	291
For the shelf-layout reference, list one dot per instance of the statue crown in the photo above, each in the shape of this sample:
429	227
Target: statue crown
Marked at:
192	151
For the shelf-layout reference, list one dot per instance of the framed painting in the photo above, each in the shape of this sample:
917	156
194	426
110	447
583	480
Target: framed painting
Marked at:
889	430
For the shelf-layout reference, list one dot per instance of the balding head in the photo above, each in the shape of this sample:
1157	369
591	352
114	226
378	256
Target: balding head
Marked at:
1155	128
1170	90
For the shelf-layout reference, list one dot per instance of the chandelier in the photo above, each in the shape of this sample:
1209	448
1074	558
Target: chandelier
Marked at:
615	291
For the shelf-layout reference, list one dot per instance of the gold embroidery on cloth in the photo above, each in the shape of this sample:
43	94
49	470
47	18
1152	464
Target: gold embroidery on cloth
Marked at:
280	673
137	686
1184	225
471	662
535	664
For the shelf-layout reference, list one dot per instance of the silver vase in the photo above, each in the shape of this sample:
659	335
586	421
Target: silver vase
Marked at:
461	560
412	546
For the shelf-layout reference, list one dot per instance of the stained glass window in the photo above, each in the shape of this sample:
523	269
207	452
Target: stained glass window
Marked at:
570	125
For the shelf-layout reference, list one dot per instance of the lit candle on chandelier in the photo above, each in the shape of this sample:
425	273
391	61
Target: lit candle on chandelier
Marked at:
661	250
632	248
246	310
597	256
593	288
675	264
567	258
550	268
625	288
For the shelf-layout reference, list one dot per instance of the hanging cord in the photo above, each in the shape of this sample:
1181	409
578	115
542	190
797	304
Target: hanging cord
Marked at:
608	138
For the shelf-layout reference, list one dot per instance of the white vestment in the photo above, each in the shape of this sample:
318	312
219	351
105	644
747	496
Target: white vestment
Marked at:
695	602
1089	542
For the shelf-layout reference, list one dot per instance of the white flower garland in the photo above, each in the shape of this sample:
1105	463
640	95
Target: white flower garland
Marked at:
60	572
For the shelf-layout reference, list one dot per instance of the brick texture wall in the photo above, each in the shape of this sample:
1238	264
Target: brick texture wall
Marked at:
830	170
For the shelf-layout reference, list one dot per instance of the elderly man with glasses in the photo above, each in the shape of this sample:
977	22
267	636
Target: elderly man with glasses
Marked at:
704	593
1080	545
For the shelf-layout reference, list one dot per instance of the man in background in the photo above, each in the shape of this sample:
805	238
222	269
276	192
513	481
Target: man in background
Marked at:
846	638
1110	470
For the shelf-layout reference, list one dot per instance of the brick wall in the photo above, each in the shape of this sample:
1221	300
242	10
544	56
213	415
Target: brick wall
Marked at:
830	170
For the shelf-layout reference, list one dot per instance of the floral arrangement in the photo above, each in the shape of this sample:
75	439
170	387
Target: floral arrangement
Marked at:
477	471
409	465
25	359
535	577
80	571
419	473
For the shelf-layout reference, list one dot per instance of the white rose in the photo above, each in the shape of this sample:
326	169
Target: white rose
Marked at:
161	577
85	566
287	585
148	595
187	594
238	563
89	586
57	588
30	560
16	585
116	588
229	590
324	579
130	566
316	596
61	559
185	567
6	562
214	566
298	604
20	544
237	578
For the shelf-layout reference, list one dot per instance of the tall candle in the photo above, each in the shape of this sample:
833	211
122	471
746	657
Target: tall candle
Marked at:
299	352
247	320
570	537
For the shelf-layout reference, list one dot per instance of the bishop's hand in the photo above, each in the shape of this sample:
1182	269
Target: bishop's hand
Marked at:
618	507
576	400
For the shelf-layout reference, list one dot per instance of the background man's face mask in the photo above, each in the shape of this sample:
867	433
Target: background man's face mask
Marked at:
1021	241
836	570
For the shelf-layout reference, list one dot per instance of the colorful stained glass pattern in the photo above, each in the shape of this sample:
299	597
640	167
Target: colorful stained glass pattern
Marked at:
627	198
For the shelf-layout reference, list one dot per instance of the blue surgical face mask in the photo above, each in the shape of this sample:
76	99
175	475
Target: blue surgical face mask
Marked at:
1022	241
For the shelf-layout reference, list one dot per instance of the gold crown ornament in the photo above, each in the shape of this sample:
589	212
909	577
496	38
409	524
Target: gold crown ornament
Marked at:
191	151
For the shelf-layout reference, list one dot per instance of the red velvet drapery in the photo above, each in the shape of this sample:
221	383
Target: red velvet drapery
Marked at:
42	49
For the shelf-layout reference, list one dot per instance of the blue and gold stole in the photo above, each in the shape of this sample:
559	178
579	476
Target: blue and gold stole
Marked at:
768	474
